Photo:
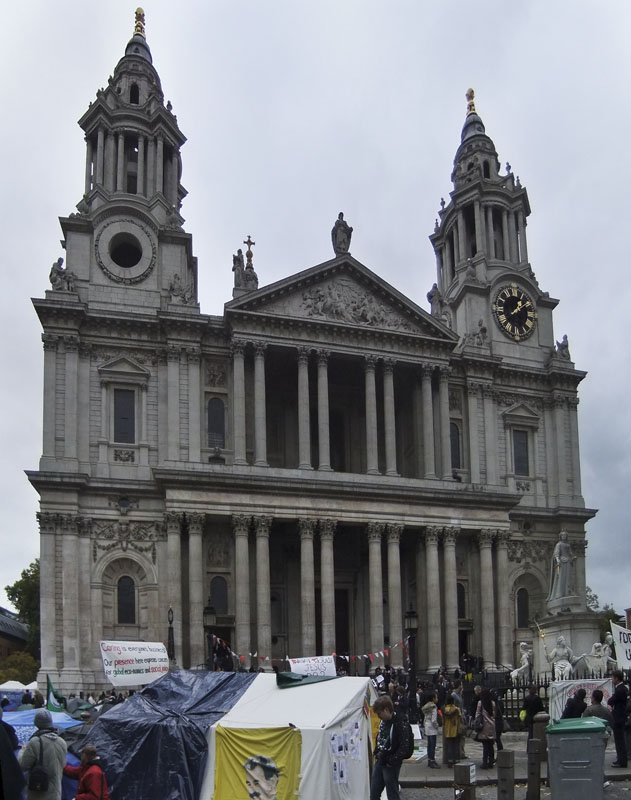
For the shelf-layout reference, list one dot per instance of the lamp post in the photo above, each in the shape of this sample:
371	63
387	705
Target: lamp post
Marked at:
210	619
170	638
411	626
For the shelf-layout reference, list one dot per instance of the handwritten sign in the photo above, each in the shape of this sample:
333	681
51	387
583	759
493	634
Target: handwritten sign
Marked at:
317	666
622	641
133	663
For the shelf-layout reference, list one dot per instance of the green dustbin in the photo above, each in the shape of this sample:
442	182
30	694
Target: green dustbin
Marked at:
576	758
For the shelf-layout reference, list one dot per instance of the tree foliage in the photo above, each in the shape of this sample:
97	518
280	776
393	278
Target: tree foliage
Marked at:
19	666
24	594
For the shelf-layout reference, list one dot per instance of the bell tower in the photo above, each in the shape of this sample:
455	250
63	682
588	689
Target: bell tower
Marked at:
126	247
485	289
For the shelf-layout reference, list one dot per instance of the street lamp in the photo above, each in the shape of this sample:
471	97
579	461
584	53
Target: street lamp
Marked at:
210	619
170	639
411	626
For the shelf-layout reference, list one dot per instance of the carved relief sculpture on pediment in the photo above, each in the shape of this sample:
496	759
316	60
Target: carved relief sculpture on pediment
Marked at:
533	551
215	373
125	535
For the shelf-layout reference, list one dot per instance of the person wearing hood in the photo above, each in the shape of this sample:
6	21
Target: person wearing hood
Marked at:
92	783
53	756
452	716
430	711
11	778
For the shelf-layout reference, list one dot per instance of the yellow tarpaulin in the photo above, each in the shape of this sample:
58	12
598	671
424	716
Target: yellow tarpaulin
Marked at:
263	763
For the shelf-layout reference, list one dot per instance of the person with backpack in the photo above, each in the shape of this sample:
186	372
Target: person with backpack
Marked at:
395	742
92	782
43	758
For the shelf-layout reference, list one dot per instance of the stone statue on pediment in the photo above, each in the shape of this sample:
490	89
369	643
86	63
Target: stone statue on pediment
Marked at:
341	235
61	280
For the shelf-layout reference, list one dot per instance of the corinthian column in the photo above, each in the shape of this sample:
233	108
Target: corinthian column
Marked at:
428	420
372	454
241	528
174	577
559	425
47	580
503	611
304	426
324	449
432	583
327	584
263	600
375	532
70	595
237	349
486	598
260	416
395	615
389	417
473	391
445	433
196	588
451	598
307	587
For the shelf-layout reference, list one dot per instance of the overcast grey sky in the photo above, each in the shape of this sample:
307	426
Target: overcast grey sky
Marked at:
297	110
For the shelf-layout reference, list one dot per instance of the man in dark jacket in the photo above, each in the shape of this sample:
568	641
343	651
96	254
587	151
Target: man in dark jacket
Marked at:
532	705
391	740
575	705
11	778
618	703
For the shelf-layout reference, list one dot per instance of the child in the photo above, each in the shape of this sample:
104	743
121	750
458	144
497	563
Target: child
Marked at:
430	710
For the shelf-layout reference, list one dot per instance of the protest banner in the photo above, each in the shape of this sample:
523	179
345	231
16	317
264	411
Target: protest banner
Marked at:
622	643
317	666
560	691
133	663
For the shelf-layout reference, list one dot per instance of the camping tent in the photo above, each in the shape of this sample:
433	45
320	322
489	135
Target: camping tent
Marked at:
24	722
168	735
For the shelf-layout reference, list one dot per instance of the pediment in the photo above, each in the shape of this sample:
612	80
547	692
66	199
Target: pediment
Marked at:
521	414
124	369
342	292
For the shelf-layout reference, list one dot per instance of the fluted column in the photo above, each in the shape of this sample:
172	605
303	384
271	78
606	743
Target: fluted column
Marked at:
307	587
47	570
512	233
120	163
417	419
445	437
395	615
173	522
478	215
100	155
503	610
263	600
450	598
83	408
304	424
194	405
432	583
372	453
140	182
50	342
71	344
489	232
462	247
473	392
490	434
110	162
559	426
240	529
505	235
196	588
486	597
375	532
88	643
327	585
428	420
237	349
88	164
576	459
160	164
151	167
70	593
175	168
324	448
521	232
389	417
173	403
260	417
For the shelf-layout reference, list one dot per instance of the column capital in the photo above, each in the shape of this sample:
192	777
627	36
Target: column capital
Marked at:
173	521
69	522
560	401
473	388
432	533
237	347
194	355
71	344
370	362
306	527
573	402
241	524
195	522
444	372
488	392
502	537
323	357
485	537
327	529
303	354
426	370
50	341
388	364
259	348
450	534
394	531
47	522
375	531
263	526
173	352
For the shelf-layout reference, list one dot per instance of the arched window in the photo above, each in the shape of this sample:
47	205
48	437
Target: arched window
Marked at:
216	423
456	451
134	94
485	169
219	594
523	613
126	601
462	605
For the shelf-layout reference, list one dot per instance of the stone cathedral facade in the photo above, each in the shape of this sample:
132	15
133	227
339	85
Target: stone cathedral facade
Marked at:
317	460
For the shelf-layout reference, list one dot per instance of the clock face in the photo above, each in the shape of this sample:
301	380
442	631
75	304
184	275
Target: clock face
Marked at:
515	312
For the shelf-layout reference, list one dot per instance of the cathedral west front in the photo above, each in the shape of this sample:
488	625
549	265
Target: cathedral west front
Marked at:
296	475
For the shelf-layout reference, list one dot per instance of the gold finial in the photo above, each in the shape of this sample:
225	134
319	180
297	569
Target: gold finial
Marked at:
139	27
248	252
470	101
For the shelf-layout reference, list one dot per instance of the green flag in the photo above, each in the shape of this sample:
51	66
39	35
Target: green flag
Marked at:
54	701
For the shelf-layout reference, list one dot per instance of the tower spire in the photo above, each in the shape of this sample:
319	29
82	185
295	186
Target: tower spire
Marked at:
139	27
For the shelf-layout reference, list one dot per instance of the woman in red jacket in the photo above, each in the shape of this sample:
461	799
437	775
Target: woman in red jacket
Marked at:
92	783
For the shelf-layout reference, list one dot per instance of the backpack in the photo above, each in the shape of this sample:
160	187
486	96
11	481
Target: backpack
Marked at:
407	740
38	777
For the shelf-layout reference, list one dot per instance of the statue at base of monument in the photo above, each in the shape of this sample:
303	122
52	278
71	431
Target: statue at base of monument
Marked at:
562	571
522	673
562	659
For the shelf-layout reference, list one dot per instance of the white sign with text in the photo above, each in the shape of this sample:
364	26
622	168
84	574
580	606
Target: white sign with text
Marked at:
133	663
622	642
317	666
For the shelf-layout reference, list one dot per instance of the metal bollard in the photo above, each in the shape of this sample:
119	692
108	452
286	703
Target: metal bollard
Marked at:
464	781
533	792
506	775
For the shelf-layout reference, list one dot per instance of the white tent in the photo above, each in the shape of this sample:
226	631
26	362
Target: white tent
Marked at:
12	686
328	714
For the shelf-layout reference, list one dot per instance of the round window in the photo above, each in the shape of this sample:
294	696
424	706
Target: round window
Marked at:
125	250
